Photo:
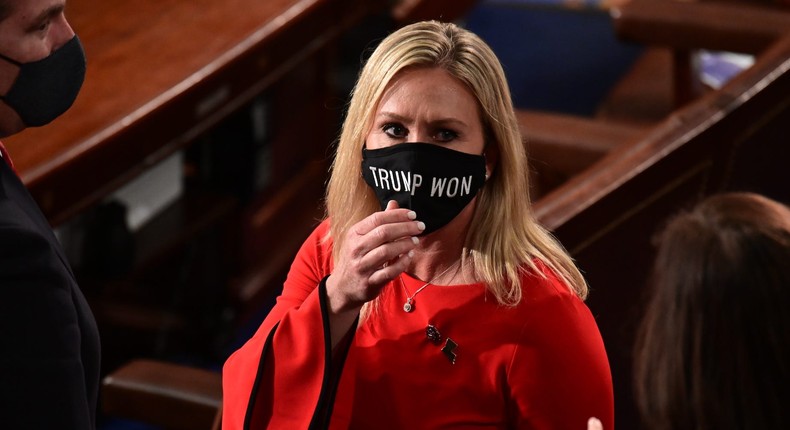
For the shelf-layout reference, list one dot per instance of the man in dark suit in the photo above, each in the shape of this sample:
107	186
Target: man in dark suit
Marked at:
49	342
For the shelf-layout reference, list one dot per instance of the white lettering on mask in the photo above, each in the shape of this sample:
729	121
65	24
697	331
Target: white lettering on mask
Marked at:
395	180
417	182
450	187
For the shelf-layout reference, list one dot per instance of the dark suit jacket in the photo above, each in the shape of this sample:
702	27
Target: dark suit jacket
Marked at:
49	342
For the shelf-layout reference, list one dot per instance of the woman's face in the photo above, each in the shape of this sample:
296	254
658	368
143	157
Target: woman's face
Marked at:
430	106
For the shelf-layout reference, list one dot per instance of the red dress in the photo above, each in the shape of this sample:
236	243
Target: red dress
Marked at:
539	365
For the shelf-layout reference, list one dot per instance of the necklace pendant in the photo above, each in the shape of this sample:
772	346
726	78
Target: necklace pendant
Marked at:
407	307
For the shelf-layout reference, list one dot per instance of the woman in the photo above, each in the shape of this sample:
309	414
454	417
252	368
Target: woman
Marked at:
429	297
713	351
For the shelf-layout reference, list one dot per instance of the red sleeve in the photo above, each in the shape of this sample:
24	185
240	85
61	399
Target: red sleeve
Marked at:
559	376
294	338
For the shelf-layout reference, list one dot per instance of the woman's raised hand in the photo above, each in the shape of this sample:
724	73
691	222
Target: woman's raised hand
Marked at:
375	251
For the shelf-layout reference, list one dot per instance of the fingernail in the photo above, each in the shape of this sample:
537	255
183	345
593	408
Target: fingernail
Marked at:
411	254
415	240
421	225
412	215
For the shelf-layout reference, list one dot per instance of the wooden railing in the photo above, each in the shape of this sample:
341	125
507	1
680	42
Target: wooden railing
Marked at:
733	138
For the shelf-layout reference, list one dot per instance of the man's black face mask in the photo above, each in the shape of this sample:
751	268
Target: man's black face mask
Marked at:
435	182
46	88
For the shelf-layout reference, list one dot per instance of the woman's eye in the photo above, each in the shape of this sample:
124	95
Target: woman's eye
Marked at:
394	131
446	135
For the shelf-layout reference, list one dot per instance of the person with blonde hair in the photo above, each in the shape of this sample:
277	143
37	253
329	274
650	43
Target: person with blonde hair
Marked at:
429	297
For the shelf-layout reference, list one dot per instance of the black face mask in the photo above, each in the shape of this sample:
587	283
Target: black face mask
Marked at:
46	88
435	182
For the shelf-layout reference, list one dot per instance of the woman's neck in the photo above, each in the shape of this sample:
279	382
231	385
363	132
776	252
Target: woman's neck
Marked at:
443	248
437	259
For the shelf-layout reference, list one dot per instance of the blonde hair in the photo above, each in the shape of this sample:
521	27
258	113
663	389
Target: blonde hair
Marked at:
504	238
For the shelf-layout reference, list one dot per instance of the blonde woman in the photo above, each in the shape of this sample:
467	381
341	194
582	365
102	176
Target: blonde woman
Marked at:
429	297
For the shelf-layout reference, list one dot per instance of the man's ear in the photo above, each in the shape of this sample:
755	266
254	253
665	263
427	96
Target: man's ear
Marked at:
491	153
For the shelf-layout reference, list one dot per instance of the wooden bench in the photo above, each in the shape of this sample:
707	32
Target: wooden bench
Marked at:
162	72
665	77
171	396
662	81
560	146
730	139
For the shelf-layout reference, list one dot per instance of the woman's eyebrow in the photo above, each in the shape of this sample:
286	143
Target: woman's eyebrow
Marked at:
448	121
393	116
434	122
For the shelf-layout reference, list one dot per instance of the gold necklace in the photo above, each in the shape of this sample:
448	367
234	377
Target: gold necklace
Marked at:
409	305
